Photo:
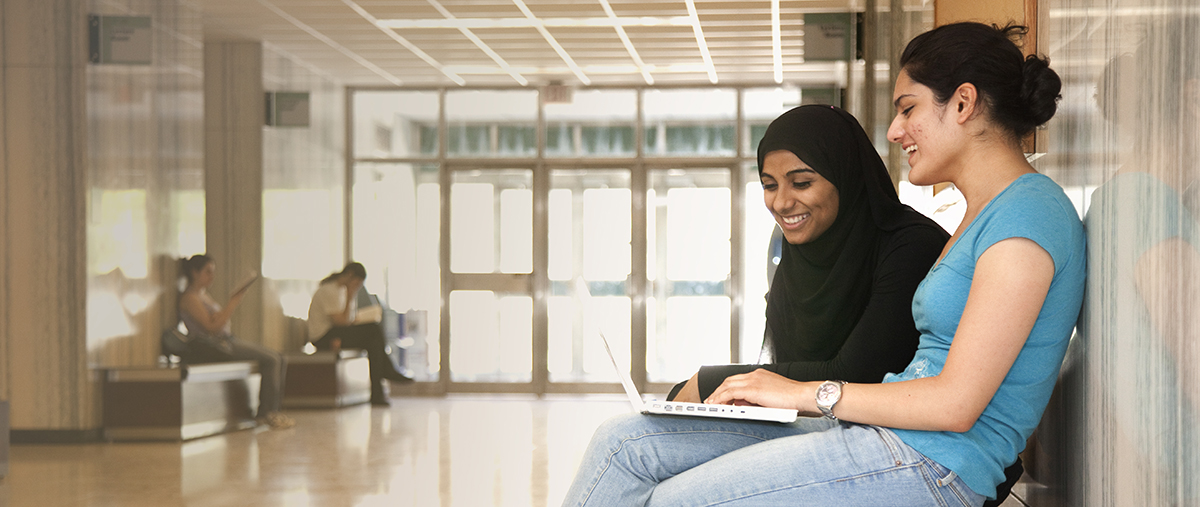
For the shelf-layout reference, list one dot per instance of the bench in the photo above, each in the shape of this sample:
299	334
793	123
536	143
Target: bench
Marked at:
180	402
327	379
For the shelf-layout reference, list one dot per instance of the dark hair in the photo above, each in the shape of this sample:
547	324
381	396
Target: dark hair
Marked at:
352	268
1017	93
194	264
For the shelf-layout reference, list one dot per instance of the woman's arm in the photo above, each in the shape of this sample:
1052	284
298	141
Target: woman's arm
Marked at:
213	322
1010	283
883	340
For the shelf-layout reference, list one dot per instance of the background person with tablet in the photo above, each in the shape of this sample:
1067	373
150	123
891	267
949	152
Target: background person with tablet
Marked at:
208	322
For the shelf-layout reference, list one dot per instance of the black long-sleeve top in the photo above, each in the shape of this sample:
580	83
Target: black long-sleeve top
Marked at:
885	338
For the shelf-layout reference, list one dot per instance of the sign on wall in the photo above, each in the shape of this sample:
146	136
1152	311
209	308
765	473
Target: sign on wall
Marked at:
287	109
126	40
827	37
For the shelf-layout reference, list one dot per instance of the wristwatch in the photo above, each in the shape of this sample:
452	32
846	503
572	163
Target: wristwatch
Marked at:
828	394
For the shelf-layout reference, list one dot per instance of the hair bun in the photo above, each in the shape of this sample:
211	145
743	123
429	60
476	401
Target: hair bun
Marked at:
1040	89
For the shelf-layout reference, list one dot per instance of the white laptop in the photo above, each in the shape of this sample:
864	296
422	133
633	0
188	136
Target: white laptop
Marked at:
752	413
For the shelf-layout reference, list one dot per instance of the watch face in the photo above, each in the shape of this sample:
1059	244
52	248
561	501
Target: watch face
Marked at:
828	393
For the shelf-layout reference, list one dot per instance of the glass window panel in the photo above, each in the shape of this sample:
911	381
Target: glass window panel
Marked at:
688	229
395	124
697	233
760	106
491	337
692	331
576	353
516	140
699	139
756	258
395	235
602	119
469	140
590	235
690	121
304	221
560	140
491	221
472	228
607	140
499	123
516	231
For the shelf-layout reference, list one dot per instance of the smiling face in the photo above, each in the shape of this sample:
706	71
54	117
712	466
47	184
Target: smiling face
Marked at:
804	203
921	129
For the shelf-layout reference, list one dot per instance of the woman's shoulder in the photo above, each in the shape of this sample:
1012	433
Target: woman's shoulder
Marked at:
1034	201
919	242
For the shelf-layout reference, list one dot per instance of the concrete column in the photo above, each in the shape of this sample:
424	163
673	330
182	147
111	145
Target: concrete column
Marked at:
43	203
233	181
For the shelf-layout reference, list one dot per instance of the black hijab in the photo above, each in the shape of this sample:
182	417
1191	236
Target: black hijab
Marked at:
822	287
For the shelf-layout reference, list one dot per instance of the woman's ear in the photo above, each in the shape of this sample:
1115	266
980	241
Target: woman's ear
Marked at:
964	102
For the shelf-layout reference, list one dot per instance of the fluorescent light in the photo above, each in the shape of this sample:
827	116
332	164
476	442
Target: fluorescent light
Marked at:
533	22
562	53
480	44
637	59
712	71
404	42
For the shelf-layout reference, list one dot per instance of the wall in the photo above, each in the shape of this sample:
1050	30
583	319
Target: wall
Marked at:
145	183
1123	428
304	183
42	258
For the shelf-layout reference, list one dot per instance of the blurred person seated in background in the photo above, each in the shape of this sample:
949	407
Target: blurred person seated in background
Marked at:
210	338
334	322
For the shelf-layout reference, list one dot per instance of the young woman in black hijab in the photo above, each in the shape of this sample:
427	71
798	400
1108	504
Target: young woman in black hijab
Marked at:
840	304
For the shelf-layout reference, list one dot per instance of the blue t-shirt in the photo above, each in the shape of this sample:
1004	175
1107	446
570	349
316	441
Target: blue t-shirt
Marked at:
1032	207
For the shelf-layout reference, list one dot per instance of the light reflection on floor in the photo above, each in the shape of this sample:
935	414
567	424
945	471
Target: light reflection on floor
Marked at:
479	450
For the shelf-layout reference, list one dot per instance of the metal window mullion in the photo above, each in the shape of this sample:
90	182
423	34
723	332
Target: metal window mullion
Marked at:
444	246
539	279
639	284
737	202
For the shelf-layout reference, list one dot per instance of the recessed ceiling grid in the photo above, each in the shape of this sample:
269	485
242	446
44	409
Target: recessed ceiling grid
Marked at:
529	42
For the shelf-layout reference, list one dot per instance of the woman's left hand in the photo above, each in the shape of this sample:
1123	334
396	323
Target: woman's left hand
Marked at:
768	389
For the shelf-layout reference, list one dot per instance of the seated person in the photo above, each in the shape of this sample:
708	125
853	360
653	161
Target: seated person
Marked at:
852	257
840	301
210	339
332	325
995	314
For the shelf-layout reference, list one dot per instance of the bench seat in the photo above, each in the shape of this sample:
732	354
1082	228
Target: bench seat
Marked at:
327	379
181	402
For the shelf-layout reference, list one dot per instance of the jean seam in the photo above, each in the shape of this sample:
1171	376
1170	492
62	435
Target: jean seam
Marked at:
959	494
608	462
811	484
891	446
927	472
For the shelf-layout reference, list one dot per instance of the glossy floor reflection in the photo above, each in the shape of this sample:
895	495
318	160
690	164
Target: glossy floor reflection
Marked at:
455	451
476	451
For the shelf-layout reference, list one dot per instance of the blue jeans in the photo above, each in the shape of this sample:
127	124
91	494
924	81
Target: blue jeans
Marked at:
658	460
273	369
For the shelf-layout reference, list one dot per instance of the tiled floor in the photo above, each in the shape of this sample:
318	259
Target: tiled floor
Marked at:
472	451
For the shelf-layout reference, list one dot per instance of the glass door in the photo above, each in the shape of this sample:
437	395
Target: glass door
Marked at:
489	284
589	214
689	304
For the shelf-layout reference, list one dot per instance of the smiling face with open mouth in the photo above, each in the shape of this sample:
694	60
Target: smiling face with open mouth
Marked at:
804	203
922	128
